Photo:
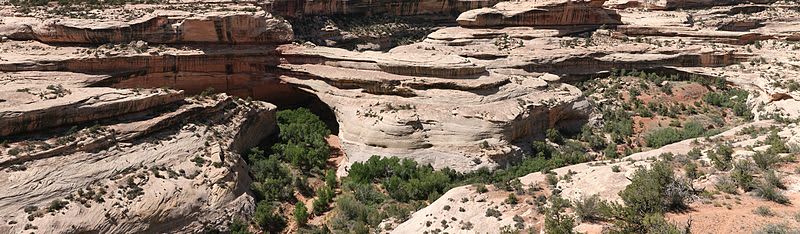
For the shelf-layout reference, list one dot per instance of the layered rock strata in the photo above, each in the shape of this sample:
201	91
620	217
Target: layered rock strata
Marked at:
300	8
547	13
159	27
442	110
167	167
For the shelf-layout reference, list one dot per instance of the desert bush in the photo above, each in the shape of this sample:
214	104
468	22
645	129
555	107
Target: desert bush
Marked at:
764	211
490	212
771	178
726	185
300	214
690	170
556	221
722	157
267	218
511	199
665	136
655	190
775	228
615	168
765	160
554	136
271	180
590	209
771	193
57	205
742	174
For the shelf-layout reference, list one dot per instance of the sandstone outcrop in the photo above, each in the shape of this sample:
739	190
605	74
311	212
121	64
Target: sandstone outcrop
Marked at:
35	102
172	166
681	4
614	175
442	110
547	13
160	27
300	8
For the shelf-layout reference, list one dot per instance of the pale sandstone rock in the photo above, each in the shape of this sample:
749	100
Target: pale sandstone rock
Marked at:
542	13
187	202
215	27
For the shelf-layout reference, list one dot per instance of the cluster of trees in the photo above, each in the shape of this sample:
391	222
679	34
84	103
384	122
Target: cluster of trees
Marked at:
302	139
403	179
300	152
735	99
665	136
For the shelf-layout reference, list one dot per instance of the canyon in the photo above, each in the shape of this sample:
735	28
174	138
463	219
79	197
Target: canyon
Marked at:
137	117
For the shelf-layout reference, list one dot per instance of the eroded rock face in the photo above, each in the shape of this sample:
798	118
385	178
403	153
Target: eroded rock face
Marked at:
161	27
299	8
548	13
678	4
170	167
437	109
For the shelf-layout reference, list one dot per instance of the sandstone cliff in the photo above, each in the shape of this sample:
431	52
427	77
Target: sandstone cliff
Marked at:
541	13
169	167
159	27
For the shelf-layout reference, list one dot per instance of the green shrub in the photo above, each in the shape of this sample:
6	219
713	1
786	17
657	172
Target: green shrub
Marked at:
611	151
552	179
774	228
490	212
267	218
238	227
777	145
57	205
726	185
271	180
590	209
765	160
666	136
722	157
330	179
511	199
655	190
770	193
764	211
742	174
655	223
300	214
691	170
615	168
771	178
556	221
480	188
302	139
555	136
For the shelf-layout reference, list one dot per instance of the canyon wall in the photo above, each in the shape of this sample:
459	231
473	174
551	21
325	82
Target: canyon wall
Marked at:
300	8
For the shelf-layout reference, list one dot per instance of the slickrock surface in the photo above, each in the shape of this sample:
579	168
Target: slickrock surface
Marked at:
542	13
109	121
598	178
171	168
435	109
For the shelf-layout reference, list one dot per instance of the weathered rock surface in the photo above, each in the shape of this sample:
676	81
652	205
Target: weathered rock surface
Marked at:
438	109
584	180
680	4
542	13
161	27
300	8
37	101
170	167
